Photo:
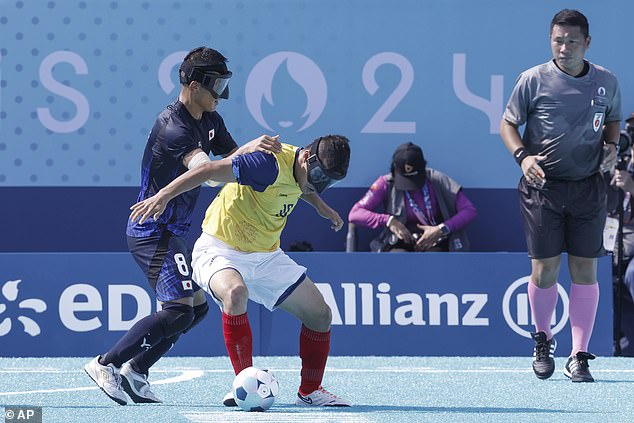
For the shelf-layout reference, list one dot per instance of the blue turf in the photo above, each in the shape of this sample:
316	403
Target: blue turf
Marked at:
383	389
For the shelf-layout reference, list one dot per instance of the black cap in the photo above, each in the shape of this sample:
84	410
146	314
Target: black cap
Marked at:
408	166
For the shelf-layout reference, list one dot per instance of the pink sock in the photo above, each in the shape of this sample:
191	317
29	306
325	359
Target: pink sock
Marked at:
583	308
543	302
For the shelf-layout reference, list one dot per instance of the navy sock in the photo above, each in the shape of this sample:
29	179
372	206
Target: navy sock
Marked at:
148	332
145	333
146	359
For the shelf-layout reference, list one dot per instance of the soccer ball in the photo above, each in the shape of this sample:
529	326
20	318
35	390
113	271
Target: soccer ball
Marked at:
255	389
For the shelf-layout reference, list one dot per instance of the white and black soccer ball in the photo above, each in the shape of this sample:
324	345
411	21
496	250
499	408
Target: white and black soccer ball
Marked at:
255	389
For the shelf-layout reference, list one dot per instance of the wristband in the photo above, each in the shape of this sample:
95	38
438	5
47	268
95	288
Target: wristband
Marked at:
520	154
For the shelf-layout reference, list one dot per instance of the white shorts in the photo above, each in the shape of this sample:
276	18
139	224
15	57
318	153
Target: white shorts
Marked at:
267	276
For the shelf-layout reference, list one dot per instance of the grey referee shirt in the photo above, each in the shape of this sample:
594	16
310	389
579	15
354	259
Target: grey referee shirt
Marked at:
564	117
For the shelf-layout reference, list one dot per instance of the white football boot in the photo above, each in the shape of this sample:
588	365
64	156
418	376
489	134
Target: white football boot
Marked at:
136	385
321	398
229	401
108	379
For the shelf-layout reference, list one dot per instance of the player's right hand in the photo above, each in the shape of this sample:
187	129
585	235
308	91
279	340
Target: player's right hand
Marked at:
153	207
533	172
264	143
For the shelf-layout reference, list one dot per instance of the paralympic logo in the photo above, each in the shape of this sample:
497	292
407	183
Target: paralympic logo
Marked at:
522	315
302	70
10	292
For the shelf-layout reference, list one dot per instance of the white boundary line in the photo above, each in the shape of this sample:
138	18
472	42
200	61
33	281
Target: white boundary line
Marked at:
184	376
276	416
329	370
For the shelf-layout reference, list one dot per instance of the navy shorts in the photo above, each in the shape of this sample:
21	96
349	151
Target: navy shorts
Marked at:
166	261
564	216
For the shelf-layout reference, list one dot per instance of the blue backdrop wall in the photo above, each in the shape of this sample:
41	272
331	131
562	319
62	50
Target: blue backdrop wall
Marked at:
81	83
61	304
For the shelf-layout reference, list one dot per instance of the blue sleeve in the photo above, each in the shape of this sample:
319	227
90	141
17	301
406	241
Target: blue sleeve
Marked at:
176	142
223	142
257	170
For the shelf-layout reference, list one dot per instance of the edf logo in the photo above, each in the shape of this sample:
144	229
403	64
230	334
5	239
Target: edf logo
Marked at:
517	311
287	105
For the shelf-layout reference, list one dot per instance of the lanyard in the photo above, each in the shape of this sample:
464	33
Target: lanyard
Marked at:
429	219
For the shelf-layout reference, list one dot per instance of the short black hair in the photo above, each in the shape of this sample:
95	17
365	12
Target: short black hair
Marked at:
202	56
205	55
571	17
334	154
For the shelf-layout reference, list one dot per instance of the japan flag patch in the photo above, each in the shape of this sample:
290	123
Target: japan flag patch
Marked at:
187	285
597	121
212	134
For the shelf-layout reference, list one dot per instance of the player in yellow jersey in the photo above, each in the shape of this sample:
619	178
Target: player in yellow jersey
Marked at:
238	257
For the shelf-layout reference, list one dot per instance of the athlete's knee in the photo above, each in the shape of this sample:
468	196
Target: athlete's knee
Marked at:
175	318
326	316
236	297
200	311
320	318
544	276
543	282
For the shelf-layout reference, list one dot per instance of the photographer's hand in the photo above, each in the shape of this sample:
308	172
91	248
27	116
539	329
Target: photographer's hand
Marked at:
400	230
430	236
623	180
611	155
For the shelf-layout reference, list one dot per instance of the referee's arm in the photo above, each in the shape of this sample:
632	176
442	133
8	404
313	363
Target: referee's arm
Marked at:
511	136
513	142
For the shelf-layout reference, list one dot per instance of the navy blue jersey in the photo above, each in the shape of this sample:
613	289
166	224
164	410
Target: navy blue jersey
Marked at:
176	133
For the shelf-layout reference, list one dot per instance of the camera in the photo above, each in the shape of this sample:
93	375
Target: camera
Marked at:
625	153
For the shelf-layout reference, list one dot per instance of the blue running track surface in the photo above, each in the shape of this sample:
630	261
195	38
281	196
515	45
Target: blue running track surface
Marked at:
382	389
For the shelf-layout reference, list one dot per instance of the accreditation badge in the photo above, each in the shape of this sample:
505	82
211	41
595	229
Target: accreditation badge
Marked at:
609	233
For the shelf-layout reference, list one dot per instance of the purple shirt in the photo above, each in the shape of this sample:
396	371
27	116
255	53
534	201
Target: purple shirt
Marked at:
363	213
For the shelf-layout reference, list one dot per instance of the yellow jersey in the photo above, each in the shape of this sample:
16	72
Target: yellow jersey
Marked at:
252	221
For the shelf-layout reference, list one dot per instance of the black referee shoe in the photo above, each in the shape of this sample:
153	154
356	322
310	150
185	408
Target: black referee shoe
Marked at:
543	355
577	368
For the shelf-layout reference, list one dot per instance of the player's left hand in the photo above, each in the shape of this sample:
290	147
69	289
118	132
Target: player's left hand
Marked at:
430	236
150	207
328	213
609	159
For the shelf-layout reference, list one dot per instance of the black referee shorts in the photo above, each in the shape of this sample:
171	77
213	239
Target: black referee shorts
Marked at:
564	216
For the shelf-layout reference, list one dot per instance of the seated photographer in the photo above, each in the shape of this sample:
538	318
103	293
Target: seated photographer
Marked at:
424	209
623	179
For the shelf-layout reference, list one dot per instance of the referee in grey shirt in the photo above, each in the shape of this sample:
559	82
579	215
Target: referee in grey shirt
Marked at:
571	109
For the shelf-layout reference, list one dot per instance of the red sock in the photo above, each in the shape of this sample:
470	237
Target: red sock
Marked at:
238	340
313	350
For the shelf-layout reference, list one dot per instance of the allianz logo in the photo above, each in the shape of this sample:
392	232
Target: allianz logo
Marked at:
81	307
371	304
378	305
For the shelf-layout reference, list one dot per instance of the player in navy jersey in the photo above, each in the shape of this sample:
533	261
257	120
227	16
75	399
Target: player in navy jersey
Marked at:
238	257
182	138
572	112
